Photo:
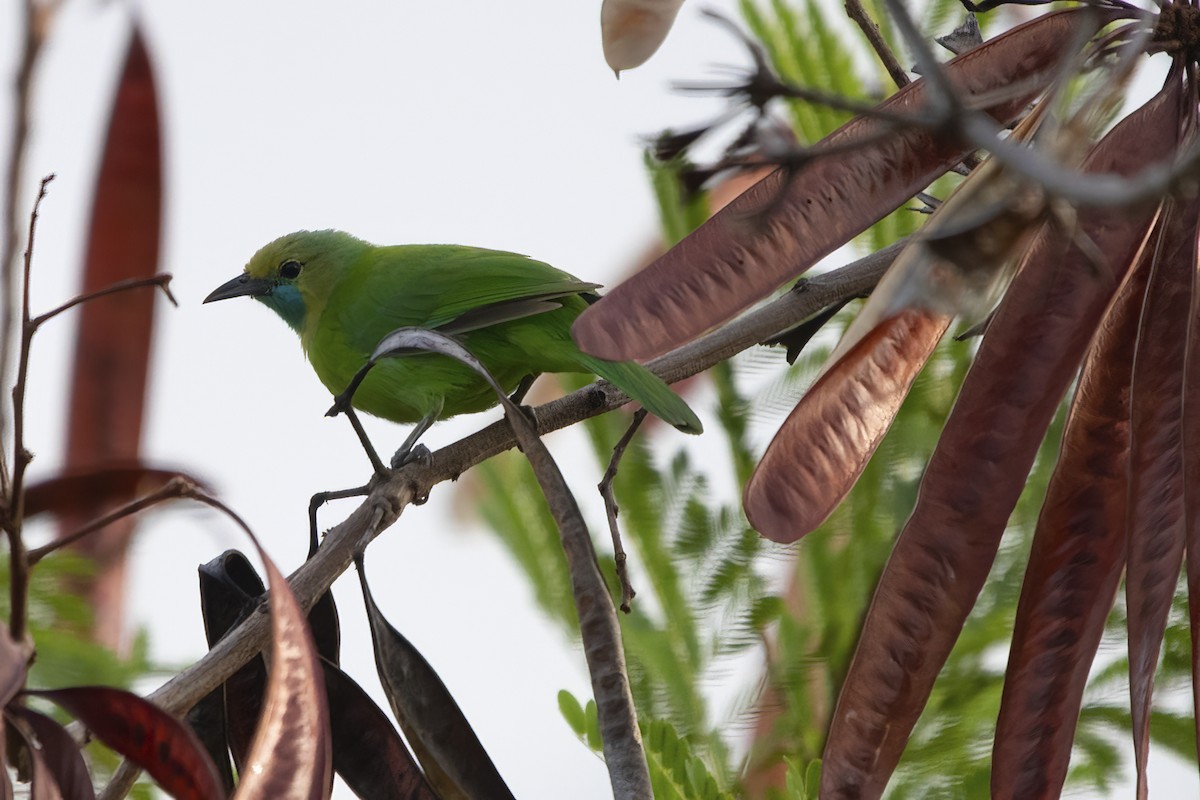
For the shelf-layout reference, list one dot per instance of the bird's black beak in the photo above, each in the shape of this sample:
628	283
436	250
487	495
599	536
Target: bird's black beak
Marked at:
241	286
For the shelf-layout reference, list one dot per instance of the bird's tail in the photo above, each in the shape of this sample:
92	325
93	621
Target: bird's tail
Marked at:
648	389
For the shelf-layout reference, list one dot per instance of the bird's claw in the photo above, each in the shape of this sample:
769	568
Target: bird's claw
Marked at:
341	403
530	414
418	454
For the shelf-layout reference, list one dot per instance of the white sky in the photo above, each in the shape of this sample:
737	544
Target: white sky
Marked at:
477	122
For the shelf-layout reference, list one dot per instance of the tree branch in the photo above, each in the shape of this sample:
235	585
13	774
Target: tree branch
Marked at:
870	29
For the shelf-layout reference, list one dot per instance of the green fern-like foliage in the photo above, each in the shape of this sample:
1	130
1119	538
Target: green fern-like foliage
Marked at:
810	47
59	622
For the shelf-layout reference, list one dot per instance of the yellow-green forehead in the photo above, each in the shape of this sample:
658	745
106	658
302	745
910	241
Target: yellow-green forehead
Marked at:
267	259
302	246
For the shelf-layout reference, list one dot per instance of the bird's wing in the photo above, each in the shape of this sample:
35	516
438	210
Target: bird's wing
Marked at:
489	283
448	287
503	311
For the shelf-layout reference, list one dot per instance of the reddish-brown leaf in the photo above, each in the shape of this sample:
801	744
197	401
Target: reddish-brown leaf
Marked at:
1156	534
1191	487
59	754
291	758
823	446
367	751
207	721
112	347
14	661
942	556
13	666
737	257
455	761
42	785
77	493
1076	561
145	734
229	590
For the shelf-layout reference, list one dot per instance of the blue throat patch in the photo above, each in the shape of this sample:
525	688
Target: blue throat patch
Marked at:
286	301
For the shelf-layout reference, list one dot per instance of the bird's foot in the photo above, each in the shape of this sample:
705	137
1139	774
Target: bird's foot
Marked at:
530	414
418	454
321	498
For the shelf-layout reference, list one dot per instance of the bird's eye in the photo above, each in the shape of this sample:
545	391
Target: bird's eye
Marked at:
290	269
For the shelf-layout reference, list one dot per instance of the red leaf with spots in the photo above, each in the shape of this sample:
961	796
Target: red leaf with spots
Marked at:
145	734
59	754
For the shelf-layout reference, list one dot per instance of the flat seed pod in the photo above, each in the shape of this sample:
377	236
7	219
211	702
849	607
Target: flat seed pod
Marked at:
942	556
738	257
824	445
1076	561
1156	511
633	30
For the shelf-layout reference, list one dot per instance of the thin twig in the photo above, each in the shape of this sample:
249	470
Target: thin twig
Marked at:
171	490
856	12
1094	190
162	281
18	564
611	508
31	42
763	85
194	492
769	87
21	560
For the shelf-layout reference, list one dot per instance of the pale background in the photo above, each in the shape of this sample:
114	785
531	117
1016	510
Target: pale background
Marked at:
476	122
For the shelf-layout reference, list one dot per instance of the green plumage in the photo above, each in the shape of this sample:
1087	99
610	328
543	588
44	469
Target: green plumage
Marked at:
343	295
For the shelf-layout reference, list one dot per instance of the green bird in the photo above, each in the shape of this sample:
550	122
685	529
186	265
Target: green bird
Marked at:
343	295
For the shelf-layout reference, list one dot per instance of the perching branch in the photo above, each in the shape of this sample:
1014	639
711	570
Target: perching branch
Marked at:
388	498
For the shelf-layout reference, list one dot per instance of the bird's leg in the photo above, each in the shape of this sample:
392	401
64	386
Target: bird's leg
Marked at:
321	498
410	450
610	506
341	402
341	405
522	389
518	396
376	461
